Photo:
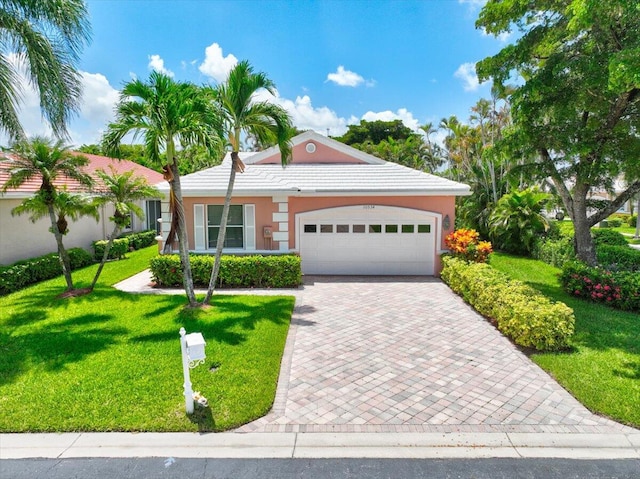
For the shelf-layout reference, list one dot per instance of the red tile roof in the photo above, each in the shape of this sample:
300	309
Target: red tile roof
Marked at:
96	162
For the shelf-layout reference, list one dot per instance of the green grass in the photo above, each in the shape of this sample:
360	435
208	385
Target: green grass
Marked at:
602	369
110	361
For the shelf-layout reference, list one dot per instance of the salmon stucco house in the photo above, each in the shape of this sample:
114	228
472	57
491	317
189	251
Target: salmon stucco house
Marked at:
342	210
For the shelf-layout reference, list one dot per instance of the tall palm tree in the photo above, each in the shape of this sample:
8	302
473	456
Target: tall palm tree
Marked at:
46	36
267	122
41	159
122	190
167	115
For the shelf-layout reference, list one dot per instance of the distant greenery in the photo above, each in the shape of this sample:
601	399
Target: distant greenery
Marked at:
111	361
602	369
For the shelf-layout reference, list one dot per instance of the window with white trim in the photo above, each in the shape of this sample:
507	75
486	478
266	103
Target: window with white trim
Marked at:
234	237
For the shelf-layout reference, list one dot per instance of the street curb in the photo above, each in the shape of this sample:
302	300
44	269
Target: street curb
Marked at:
321	445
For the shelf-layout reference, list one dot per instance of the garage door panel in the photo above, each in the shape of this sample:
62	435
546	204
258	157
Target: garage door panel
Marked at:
398	246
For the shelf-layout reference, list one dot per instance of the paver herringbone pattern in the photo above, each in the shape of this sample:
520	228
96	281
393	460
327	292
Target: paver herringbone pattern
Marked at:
367	355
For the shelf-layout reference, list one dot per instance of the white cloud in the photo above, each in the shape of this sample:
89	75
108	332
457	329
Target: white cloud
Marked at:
307	117
215	64
157	63
467	73
344	77
402	114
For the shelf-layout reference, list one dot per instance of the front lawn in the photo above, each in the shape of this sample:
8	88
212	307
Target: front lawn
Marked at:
110	361
602	369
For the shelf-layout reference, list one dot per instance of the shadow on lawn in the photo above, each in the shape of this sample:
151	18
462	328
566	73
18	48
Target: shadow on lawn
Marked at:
236	318
54	348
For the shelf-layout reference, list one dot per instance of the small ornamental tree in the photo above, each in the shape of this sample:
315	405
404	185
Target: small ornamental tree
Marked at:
466	244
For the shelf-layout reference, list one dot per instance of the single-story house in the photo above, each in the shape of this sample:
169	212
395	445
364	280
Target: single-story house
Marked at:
22	239
342	210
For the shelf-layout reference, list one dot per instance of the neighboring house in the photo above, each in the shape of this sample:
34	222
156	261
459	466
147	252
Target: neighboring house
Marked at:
22	239
344	211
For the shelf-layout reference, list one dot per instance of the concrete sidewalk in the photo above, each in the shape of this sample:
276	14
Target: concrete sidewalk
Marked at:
321	445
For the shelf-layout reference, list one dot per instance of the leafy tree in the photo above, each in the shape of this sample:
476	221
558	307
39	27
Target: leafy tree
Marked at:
167	114
576	113
517	220
122	190
375	132
267	122
41	159
47	36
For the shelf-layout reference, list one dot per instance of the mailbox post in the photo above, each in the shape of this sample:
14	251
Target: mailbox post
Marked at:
192	346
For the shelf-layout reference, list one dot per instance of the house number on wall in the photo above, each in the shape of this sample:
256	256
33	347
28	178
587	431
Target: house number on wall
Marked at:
369	207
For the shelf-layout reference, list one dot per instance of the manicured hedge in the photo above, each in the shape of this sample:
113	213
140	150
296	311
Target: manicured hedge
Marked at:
618	258
255	271
607	236
30	271
555	252
140	240
520	312
619	289
118	250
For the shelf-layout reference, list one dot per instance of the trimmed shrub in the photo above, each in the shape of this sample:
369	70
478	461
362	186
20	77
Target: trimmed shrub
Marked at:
140	240
607	236
522	313
618	258
632	221
118	250
619	290
554	252
255	271
27	272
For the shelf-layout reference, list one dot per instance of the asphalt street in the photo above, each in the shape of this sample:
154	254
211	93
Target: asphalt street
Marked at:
158	468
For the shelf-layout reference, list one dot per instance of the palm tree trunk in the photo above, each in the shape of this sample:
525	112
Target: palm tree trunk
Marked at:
105	255
223	228
183	245
63	256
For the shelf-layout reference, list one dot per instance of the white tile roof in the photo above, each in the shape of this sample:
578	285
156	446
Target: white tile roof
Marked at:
374	177
263	180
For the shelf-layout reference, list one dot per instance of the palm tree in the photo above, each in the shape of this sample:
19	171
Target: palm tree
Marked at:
42	159
122	190
266	122
46	36
168	115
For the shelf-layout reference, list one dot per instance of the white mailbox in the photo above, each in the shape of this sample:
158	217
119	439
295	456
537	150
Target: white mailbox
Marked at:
195	348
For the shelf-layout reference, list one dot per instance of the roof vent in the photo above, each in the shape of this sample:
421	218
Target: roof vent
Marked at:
310	147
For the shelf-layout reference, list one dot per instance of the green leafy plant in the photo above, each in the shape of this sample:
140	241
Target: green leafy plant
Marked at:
118	250
255	271
520	312
607	236
140	240
517	220
30	271
616	258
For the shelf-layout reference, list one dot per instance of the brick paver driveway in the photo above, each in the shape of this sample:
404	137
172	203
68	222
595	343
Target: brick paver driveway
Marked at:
407	355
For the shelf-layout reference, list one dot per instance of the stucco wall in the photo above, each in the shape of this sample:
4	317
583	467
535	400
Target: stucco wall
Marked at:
22	239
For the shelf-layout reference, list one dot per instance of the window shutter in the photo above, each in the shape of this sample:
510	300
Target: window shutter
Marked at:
250	227
199	227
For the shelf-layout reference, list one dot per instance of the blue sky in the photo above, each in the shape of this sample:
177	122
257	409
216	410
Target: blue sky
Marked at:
333	62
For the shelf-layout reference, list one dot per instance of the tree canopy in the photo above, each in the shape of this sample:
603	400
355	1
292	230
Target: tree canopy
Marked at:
576	106
45	37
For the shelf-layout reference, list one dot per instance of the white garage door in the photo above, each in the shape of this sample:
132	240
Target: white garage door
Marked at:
367	240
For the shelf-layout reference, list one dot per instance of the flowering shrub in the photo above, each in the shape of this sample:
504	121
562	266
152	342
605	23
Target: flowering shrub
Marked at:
465	244
620	290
